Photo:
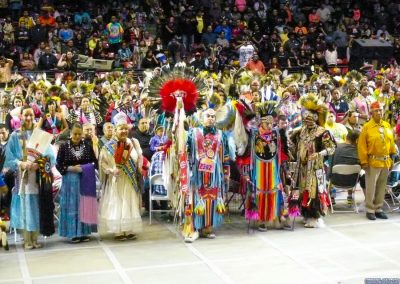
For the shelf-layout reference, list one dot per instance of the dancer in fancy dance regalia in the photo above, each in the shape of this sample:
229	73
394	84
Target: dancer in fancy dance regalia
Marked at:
264	200
209	164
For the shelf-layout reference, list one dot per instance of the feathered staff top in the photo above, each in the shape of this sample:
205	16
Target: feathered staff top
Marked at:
181	82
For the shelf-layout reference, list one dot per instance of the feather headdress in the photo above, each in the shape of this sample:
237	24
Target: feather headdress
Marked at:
79	87
267	108
311	103
354	75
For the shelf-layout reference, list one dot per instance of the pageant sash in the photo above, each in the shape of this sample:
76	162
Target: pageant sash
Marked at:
128	167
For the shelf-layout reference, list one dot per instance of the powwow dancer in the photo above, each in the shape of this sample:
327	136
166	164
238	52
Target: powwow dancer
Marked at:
312	143
264	200
28	155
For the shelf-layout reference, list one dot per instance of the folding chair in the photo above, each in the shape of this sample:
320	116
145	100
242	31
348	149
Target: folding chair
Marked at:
157	179
393	183
344	178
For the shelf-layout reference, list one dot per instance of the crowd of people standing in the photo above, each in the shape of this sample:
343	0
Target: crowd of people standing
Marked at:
231	115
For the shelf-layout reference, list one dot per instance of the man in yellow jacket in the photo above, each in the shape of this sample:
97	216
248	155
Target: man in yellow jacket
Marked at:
375	147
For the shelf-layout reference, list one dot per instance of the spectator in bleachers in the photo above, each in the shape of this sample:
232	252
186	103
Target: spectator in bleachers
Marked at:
27	63
256	65
314	18
157	46
15	7
198	63
65	33
38	34
147	38
47	61
300	29
176	49
26	21
222	41
340	39
55	45
8	31
115	33
47	19
81	17
283	58
169	30
149	61
67	62
6	65
69	46
80	42
92	43
224	27
124	54
331	54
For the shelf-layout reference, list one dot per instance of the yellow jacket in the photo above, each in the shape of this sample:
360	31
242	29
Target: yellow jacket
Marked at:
372	143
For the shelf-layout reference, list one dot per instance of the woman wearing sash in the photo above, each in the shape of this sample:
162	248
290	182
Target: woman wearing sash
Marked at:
120	161
26	204
76	163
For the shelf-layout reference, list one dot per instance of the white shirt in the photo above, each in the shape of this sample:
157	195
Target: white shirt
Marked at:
245	53
331	57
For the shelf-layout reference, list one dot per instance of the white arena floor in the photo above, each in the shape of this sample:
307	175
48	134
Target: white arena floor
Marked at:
348	249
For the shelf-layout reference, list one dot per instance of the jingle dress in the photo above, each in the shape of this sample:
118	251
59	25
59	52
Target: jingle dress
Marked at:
71	225
120	203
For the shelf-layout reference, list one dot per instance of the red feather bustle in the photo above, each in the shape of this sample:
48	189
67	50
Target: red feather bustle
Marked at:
171	88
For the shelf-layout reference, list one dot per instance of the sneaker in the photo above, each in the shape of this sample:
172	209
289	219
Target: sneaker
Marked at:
211	236
192	238
381	215
262	228
371	216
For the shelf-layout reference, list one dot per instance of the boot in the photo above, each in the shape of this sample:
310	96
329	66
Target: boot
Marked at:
27	240
35	236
